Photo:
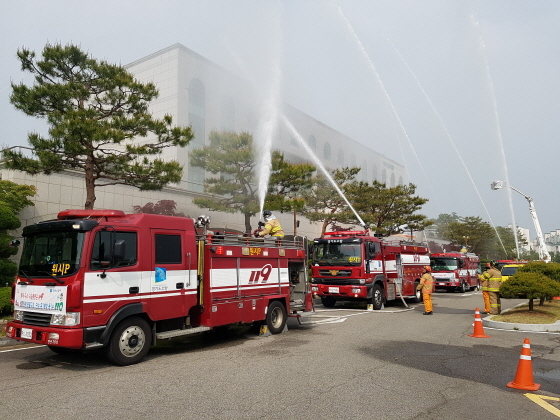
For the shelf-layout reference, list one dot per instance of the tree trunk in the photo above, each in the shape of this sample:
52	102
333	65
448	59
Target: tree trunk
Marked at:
541	301
324	228
530	304
247	223
90	184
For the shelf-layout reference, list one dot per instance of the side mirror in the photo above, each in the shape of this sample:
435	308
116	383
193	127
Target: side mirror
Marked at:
119	250
14	242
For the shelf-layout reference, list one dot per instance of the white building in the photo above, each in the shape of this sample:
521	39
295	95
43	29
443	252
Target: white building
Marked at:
198	92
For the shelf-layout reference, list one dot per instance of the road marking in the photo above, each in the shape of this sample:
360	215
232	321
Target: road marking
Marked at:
538	399
21	348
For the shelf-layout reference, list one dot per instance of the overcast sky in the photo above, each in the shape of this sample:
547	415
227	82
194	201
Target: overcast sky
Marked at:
461	92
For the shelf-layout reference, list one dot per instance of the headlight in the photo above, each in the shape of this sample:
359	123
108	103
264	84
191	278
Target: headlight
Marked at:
18	315
362	281
314	289
68	319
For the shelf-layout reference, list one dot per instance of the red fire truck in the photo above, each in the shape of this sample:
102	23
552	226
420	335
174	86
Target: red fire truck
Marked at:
103	278
456	271
352	265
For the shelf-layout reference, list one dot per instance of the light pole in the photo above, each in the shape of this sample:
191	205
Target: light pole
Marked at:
543	252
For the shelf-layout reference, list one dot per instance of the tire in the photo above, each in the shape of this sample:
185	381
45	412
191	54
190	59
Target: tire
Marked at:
276	317
377	297
328	302
129	342
463	287
417	294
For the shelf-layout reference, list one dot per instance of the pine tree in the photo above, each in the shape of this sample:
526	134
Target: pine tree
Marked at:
98	121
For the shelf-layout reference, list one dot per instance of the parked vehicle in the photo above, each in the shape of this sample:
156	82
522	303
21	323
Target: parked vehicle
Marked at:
105	279
456	271
509	270
353	266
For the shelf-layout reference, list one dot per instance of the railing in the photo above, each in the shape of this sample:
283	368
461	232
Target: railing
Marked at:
235	239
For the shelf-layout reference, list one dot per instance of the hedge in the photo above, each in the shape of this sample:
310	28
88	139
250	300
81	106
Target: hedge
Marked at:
6	307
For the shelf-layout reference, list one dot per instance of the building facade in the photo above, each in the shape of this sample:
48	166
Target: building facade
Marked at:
199	93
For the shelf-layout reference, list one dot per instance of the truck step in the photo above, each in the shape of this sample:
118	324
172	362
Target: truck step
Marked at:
177	333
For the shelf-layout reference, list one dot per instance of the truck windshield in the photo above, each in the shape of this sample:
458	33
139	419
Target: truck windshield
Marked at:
51	253
337	254
444	264
509	271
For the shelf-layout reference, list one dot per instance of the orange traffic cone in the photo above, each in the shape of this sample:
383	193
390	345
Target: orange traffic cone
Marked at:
524	376
478	329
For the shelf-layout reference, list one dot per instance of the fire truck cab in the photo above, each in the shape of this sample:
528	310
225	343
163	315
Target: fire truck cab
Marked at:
105	279
455	271
353	265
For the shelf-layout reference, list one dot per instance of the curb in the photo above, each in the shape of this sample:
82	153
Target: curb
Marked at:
488	322
5	341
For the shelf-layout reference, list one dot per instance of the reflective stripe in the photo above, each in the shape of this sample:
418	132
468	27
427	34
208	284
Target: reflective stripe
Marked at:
523	357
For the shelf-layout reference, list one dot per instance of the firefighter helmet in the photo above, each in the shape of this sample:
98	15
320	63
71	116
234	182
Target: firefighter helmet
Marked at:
427	268
266	215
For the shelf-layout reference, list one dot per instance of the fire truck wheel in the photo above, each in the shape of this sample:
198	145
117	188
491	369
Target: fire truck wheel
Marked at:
328	302
377	297
417	294
463	287
276	317
129	342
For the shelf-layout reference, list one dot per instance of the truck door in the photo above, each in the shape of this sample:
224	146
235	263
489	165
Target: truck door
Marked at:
173	275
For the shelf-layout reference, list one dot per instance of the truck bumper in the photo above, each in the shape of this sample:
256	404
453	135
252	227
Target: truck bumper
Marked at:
71	338
341	291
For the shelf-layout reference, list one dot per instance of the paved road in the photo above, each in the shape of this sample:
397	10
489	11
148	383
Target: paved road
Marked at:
341	363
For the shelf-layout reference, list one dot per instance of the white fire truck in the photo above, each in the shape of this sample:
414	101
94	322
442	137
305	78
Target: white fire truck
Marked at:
456	271
353	265
103	278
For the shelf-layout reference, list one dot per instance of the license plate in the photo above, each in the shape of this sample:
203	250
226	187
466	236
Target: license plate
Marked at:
27	333
442	284
333	289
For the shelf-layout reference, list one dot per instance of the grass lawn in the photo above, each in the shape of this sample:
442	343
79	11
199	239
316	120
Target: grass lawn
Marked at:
547	314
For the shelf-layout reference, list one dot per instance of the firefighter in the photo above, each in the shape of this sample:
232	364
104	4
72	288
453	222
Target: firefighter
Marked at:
494	277
271	226
484	286
427	286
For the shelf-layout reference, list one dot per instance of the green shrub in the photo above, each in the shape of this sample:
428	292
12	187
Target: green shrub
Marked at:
530	285
6	307
550	270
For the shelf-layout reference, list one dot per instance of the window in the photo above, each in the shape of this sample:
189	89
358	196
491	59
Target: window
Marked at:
392	180
168	249
327	151
102	255
312	143
384	177
340	157
374	174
